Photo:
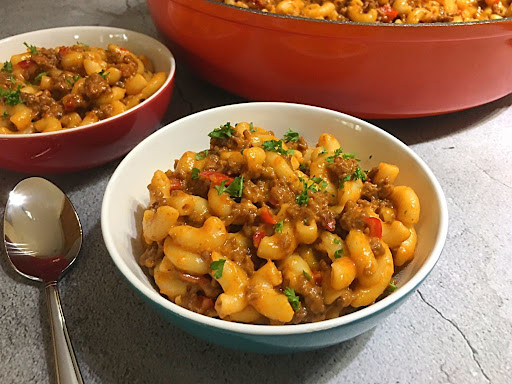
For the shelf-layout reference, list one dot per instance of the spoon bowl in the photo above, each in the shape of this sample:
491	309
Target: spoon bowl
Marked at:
42	232
42	237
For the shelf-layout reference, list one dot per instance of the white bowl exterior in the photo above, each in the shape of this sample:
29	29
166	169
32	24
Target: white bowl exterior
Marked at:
126	196
94	36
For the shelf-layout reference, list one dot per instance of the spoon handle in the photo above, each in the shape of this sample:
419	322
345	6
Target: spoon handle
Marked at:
65	361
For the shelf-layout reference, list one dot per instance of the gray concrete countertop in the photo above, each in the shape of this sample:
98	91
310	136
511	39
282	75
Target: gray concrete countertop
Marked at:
456	329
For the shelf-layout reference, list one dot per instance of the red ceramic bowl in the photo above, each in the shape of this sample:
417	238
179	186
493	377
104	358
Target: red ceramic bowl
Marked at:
85	147
367	70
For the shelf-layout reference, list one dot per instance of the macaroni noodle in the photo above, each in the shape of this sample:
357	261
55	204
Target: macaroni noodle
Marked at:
240	232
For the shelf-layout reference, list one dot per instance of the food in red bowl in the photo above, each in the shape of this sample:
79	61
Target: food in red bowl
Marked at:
372	70
79	96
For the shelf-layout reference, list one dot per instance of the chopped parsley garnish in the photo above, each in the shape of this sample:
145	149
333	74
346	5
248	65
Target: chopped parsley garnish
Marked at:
348	156
202	155
5	115
10	96
251	128
342	181
39	77
303	198
323	184
292	298
324	150
291	136
82	44
359	174
337	152
277	146
217	267
223	132
338	253
78	77
103	74
307	275
303	168
305	221
278	228
31	48
234	189
11	78
392	286
336	241
7	67
195	174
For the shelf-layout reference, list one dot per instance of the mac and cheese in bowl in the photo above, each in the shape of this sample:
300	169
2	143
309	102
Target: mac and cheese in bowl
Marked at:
47	90
258	229
386	11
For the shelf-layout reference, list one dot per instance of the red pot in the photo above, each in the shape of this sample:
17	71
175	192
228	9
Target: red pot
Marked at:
367	70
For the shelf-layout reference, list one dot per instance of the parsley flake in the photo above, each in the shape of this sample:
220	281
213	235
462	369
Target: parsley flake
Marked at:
82	44
303	198
338	253
7	67
217	267
276	146
305	221
10	96
278	228
291	136
195	174
234	189
307	275
293	299
392	286
359	174
324	150
31	48
223	132
5	115
39	77
202	155
303	168
251	128
103	74
336	241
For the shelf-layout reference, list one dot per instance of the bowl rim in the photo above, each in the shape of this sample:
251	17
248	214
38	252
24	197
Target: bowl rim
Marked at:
265	330
359	23
78	29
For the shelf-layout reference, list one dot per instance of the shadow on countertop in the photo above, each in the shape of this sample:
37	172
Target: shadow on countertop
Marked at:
424	129
119	339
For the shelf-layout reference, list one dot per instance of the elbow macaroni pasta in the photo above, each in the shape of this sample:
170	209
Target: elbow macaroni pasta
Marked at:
385	11
48	90
240	232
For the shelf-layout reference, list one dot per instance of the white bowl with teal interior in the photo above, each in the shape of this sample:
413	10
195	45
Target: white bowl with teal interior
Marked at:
126	197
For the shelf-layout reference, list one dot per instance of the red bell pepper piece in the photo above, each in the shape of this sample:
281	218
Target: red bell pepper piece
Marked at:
375	226
257	237
330	225
317	277
206	303
216	177
390	13
63	51
267	217
175	184
24	64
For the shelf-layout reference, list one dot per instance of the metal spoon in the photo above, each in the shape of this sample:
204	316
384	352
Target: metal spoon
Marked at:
42	236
